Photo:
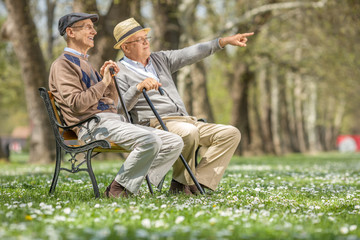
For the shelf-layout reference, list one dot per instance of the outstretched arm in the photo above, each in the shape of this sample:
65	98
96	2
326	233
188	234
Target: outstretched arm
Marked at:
239	39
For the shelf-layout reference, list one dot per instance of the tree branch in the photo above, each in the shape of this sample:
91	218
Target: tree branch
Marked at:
267	8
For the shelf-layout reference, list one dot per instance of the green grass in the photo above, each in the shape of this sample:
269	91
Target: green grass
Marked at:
292	197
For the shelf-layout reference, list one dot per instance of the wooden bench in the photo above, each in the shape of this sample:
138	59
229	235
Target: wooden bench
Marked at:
66	142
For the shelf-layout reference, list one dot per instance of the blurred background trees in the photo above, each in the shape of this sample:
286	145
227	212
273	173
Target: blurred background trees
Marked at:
293	89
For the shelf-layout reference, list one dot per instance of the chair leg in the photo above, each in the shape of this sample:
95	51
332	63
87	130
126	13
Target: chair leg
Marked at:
91	173
149	184
57	169
196	155
159	187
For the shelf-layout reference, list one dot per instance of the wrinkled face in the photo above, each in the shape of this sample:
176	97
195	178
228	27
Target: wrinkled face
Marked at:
82	34
137	47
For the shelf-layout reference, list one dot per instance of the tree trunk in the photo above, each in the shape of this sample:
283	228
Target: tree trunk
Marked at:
274	105
201	107
329	123
339	115
256	146
328	129
285	133
290	112
104	40
238	85
49	24
183	86
3	155
34	74
298	113
166	27
191	80
310	115
264	108
166	24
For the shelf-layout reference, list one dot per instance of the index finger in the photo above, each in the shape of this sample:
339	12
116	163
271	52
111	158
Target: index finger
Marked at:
247	34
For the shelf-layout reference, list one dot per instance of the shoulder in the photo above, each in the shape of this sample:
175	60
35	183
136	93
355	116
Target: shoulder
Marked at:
161	56
65	63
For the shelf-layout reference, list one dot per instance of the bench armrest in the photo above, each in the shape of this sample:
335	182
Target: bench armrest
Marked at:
95	118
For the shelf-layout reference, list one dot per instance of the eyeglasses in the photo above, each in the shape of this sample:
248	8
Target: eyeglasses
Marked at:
141	40
87	27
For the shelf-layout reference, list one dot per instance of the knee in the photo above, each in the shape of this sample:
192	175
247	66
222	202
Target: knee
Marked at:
237	134
178	142
231	133
190	135
151	142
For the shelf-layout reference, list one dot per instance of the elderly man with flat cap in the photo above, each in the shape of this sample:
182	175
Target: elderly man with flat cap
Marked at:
81	93
140	68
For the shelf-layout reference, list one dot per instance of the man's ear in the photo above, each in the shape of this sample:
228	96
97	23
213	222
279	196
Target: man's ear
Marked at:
69	32
124	48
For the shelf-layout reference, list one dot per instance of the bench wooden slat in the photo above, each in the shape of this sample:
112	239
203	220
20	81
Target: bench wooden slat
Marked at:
71	135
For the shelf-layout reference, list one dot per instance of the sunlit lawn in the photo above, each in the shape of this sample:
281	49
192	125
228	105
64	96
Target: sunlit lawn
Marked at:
293	197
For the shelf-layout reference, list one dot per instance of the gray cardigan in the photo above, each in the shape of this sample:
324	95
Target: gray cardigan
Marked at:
165	64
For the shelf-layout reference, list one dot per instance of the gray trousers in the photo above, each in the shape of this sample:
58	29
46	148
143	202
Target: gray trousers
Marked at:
153	151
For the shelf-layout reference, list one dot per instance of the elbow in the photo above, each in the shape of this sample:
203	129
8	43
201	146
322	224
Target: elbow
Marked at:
78	109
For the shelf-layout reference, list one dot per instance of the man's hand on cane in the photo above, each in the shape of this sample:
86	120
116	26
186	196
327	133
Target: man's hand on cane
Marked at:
148	84
104	71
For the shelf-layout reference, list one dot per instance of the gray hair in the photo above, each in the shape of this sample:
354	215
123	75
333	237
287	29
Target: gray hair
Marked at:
65	36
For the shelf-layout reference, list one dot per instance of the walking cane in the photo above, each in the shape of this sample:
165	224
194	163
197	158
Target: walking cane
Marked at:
112	72
166	129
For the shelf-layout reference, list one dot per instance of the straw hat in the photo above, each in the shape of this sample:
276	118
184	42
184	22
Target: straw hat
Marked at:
126	29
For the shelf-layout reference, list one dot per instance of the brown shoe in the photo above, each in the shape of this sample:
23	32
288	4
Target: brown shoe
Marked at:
177	188
115	190
194	190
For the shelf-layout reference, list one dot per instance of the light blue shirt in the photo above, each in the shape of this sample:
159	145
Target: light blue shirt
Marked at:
67	49
141	69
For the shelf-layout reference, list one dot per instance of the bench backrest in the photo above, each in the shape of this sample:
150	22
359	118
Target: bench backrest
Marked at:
55	115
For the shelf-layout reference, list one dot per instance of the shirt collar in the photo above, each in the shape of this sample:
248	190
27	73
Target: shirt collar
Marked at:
135	63
67	49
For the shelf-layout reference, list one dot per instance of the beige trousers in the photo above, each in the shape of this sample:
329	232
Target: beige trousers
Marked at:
219	140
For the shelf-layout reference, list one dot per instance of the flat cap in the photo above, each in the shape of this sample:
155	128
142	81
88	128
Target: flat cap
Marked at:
71	18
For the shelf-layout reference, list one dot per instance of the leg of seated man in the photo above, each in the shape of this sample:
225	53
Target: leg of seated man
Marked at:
171	148
190	136
143	144
221	142
185	128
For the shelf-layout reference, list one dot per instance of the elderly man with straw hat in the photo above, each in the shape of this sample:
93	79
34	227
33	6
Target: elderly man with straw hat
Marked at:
81	93
140	68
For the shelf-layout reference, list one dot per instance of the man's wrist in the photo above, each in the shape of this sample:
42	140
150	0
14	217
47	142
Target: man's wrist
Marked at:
222	42
138	87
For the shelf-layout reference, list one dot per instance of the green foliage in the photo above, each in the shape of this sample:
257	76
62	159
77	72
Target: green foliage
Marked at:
292	197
